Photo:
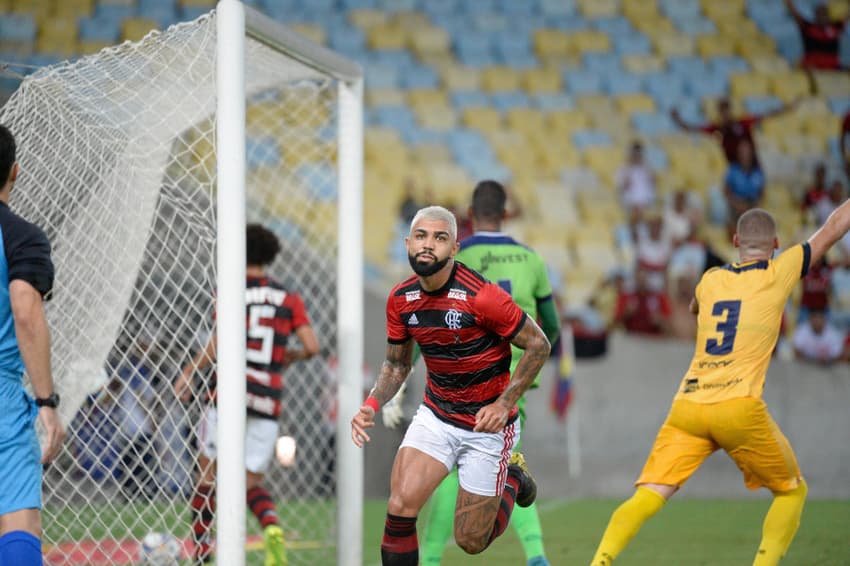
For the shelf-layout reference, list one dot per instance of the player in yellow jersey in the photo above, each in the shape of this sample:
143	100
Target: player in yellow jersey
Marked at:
719	403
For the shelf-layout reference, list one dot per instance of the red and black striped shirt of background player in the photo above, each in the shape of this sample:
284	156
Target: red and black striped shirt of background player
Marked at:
464	331
821	44
272	314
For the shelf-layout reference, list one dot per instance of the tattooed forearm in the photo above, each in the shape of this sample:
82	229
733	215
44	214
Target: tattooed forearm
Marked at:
536	347
394	371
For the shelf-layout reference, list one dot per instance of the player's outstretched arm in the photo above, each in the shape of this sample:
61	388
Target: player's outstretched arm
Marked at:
492	418
309	344
394	371
792	9
832	230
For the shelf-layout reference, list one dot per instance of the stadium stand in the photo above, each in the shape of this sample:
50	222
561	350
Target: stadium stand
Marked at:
539	93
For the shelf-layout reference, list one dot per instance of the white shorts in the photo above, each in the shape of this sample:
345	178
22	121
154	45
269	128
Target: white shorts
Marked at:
481	457
260	438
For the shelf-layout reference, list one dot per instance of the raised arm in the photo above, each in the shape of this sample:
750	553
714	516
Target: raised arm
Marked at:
795	13
677	119
492	418
832	230
394	371
780	109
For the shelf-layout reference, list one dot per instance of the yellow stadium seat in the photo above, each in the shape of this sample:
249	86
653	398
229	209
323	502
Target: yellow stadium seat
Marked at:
198	3
737	27
525	119
63	47
751	47
604	161
838	9
500	79
585	41
551	43
58	29
770	64
73	8
714	46
557	155
723	9
639	9
748	84
790	86
631	103
430	153
832	84
457	77
366	19
643	63
593	105
824	127
90	47
486	119
387	36
411	20
438	117
803	145
427	97
654	26
545	79
430	40
41	10
566	121
385	97
134	29
674	44
599	8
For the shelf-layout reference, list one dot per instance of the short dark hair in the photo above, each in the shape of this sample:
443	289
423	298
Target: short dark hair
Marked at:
488	200
262	245
7	153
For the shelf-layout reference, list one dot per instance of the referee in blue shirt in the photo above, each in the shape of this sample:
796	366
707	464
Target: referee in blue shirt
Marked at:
26	279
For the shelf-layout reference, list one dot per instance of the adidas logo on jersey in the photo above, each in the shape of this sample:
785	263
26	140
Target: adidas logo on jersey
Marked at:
412	321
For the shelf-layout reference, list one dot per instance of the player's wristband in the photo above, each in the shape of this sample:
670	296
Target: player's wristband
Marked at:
372	402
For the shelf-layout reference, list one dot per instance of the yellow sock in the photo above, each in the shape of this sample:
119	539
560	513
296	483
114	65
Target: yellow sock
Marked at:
780	525
625	523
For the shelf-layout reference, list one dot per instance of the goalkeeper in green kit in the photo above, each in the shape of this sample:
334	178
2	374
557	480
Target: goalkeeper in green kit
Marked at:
522	273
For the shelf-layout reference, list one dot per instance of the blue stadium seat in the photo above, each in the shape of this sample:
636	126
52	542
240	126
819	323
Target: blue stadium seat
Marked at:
392	57
623	83
557	7
188	13
504	101
100	29
512	43
285	229
602	63
157	4
552	101
262	151
117	12
466	99
418	136
17	28
520	60
582	82
690	110
634	43
761	104
358	4
666	88
164	16
275	8
655	157
516	9
347	40
396	117
726	65
839	105
566	23
419	76
680	9
711	84
653	124
380	76
687	65
320	180
583	139
613	27
397	5
696	26
476	6
489	22
439	7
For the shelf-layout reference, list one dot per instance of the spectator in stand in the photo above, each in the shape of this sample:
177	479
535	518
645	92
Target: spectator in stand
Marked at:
731	131
815	286
816	340
653	253
821	38
636	181
815	193
680	217
643	311
844	144
744	184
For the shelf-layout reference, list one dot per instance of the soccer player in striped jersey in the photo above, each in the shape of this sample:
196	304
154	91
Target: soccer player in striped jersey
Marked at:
464	326
719	403
273	315
522	273
26	276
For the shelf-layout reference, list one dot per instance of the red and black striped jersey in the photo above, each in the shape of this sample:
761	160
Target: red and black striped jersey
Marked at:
272	316
464	331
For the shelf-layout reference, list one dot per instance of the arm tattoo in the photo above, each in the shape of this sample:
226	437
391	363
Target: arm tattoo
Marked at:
394	371
536	346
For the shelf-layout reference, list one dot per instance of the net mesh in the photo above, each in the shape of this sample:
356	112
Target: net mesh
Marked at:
117	154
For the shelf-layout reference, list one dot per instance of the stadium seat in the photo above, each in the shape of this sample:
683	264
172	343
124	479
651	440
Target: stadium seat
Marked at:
623	83
557	7
546	79
674	44
495	79
582	82
508	100
641	64
483	118
552	101
430	40
748	84
99	28
584	139
598	8
567	121
550	44
632	44
584	41
459	78
637	102
790	86
709	46
652	124
73	9
466	99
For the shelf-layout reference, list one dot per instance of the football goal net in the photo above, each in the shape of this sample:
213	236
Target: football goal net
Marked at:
133	160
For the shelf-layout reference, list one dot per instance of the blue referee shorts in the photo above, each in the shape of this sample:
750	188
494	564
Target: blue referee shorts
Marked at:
20	454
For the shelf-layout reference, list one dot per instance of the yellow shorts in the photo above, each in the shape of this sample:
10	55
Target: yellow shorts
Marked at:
742	427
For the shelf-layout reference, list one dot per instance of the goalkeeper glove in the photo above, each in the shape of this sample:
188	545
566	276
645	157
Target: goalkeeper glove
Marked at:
392	412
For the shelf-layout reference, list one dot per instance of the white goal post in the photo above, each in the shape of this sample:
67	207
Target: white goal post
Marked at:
142	163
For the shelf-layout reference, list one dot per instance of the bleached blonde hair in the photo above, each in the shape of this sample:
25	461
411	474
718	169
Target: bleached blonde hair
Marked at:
437	213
